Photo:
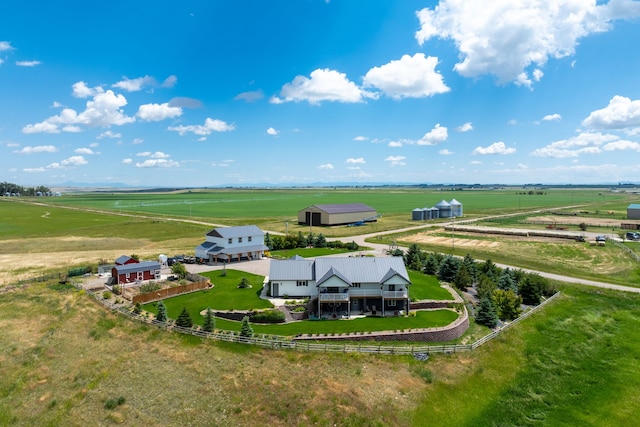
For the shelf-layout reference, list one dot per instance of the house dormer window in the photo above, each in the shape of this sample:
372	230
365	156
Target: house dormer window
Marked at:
230	240
239	239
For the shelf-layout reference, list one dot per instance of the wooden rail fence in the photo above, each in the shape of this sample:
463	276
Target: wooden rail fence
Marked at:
280	342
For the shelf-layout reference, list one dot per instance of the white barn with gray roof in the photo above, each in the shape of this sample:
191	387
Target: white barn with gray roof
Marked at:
232	243
344	286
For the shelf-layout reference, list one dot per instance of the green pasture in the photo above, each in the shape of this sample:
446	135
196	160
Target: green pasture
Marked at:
284	204
573	363
23	220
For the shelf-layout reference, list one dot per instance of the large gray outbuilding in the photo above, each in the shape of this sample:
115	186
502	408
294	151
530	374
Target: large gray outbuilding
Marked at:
339	214
633	211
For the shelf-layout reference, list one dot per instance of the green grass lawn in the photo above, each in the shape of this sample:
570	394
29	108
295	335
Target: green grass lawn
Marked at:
224	295
425	286
309	252
423	319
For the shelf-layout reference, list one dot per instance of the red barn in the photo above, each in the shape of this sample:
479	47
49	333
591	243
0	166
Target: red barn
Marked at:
124	260
130	273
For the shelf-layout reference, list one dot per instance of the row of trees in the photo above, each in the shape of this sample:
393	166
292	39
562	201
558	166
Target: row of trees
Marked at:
501	292
292	241
8	187
209	324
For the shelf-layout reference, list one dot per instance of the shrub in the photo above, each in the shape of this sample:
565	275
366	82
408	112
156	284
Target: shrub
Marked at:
114	403
152	286
244	283
269	316
106	295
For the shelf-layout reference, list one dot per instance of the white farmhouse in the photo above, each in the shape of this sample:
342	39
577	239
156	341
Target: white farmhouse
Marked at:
232	243
344	286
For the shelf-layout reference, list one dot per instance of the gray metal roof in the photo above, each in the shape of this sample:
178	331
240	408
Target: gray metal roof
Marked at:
634	206
124	258
240	231
349	269
345	208
362	269
140	266
291	269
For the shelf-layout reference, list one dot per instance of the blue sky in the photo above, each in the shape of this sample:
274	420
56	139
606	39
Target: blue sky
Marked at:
207	93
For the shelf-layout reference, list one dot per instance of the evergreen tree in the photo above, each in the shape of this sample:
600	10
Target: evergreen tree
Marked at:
320	241
184	319
209	321
412	258
310	239
302	241
485	286
506	281
532	288
486	313
431	264
463	279
472	268
137	309
448	269
246	330
161	316
267	241
490	269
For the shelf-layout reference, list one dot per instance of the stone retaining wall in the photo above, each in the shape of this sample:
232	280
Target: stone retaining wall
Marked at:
444	333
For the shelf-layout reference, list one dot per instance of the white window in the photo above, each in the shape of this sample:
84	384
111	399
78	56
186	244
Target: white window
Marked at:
302	283
392	303
239	239
249	238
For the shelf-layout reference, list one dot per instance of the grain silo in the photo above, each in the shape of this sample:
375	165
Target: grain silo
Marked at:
444	209
435	213
456	208
417	214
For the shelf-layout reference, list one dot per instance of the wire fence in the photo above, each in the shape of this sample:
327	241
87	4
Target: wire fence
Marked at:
280	342
626	249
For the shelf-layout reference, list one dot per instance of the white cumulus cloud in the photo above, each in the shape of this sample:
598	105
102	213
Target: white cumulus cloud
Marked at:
621	113
134	85
445	152
514	39
210	126
103	110
321	85
356	161
37	149
435	136
327	166
495	148
158	163
158	112
409	77
584	143
272	131
81	90
552	118
465	127
396	160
